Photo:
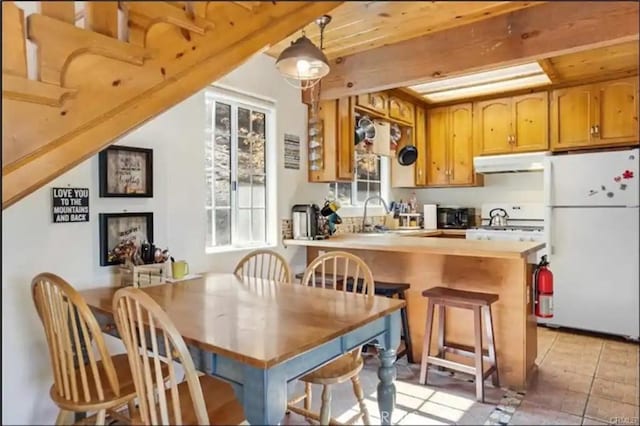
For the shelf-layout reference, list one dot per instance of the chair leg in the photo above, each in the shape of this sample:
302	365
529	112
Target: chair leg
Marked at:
357	390
405	329
325	409
488	323
307	394
442	317
101	417
64	418
426	345
477	327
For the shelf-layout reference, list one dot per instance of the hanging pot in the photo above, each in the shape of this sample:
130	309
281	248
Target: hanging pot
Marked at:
365	131
407	155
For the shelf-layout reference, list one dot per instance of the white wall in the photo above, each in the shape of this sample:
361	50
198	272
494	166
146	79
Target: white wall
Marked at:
498	188
32	244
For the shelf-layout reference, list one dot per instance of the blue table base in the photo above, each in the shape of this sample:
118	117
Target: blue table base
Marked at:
263	392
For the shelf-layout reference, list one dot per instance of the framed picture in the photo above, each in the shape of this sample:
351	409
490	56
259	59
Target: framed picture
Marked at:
126	172
119	232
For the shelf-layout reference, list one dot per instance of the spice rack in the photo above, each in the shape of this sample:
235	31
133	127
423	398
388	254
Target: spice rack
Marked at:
407	218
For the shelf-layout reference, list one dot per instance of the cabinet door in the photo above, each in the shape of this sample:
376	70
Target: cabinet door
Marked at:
401	110
616	107
403	176
461	145
421	145
322	167
572	112
531	122
493	126
437	142
346	147
376	102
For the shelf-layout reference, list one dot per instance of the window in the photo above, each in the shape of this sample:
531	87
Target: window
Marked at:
371	178
236	144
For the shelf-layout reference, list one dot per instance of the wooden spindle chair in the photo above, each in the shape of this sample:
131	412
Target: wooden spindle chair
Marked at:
334	265
266	264
149	335
86	377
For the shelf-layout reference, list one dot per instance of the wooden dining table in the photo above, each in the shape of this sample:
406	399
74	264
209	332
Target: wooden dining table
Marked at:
260	335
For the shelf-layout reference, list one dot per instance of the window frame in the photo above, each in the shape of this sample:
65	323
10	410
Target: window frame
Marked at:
236	99
385	186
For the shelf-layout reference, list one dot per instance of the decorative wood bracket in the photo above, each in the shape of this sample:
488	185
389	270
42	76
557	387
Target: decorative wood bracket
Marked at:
144	15
59	43
23	89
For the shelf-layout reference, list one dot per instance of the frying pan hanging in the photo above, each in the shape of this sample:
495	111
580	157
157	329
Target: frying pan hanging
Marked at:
407	155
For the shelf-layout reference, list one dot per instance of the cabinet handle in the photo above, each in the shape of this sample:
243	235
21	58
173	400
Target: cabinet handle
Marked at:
596	130
513	139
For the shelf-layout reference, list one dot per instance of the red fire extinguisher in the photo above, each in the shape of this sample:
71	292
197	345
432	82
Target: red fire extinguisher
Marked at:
543	289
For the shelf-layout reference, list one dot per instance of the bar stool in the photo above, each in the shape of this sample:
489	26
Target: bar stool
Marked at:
480	304
385	289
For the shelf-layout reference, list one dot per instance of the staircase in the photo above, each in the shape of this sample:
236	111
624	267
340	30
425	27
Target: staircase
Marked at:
130	62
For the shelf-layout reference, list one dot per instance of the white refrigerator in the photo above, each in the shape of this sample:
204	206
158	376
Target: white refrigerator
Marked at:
592	232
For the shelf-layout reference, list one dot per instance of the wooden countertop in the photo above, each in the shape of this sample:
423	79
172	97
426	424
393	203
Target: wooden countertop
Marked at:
258	322
425	241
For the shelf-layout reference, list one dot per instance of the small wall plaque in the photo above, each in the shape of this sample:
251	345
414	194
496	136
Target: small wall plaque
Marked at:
70	205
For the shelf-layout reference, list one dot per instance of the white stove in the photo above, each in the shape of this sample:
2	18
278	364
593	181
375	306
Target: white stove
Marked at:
525	222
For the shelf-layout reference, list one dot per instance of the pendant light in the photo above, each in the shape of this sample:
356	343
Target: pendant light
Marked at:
303	64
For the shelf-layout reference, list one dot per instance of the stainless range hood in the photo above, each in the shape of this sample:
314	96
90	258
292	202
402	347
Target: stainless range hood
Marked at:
511	163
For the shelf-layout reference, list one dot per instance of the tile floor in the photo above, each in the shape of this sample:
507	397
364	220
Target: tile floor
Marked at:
581	380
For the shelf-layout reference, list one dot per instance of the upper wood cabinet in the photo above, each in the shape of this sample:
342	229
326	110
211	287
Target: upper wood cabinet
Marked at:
514	124
401	110
530	125
493	126
595	115
421	145
450	146
377	103
336	124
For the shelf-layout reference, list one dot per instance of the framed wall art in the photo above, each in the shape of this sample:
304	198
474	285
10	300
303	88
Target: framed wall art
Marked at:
120	233
126	172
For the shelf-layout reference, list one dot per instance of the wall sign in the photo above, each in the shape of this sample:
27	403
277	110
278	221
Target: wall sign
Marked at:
70	205
291	152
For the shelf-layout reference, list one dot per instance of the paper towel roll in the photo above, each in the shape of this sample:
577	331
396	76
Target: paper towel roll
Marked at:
430	212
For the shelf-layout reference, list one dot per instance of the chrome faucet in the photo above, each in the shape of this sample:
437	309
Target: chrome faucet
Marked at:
366	202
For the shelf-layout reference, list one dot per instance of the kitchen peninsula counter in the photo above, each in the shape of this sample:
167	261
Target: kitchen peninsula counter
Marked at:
426	242
429	258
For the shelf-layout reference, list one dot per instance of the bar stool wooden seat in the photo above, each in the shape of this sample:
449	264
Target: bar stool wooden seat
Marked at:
480	304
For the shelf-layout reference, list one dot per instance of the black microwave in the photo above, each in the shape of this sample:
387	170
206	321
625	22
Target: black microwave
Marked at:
456	218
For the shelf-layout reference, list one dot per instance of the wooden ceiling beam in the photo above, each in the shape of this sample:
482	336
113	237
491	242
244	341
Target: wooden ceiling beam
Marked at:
531	34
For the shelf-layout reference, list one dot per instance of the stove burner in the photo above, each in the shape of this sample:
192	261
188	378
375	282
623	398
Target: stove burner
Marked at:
511	228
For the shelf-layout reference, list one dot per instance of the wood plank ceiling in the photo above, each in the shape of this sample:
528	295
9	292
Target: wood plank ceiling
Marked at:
358	27
363	25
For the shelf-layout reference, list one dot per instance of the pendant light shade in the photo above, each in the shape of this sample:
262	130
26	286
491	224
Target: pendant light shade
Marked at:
303	60
303	63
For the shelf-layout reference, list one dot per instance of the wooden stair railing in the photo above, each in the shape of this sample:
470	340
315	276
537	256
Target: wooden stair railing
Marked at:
97	83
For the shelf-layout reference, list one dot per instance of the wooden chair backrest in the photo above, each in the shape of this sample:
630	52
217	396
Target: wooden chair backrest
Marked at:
265	264
340	264
337	265
69	327
136	311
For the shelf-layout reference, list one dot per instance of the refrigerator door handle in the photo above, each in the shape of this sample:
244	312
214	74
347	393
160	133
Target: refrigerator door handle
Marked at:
548	213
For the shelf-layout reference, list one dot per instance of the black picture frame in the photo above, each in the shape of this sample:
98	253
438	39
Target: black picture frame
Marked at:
126	171
114	229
